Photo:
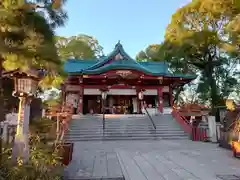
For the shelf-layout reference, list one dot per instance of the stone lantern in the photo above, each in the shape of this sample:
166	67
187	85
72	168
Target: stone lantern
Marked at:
25	88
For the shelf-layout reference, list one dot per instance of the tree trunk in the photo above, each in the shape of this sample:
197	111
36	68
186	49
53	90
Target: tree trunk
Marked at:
1	104
179	90
213	88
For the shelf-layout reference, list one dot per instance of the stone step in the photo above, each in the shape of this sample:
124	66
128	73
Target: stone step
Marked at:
93	131
121	121
126	119
125	131
124	125
122	128
112	120
95	178
125	138
124	135
90	138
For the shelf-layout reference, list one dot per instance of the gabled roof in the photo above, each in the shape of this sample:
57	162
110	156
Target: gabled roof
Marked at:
118	59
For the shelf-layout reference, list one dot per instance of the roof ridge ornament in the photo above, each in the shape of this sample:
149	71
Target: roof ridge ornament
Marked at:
118	57
118	44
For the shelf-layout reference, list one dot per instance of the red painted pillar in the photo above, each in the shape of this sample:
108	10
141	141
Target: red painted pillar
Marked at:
171	95
160	99
80	102
139	109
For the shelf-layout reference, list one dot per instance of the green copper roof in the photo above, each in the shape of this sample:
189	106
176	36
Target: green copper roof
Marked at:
117	60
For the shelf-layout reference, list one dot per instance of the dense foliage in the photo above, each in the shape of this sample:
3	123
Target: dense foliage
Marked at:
199	37
150	53
78	47
27	41
203	37
45	160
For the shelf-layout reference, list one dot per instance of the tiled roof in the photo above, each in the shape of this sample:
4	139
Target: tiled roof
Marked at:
116	60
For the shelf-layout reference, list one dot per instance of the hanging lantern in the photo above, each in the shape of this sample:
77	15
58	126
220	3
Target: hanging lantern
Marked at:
104	95
160	79
140	95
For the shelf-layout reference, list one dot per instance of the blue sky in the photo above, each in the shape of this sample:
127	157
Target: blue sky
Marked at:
136	23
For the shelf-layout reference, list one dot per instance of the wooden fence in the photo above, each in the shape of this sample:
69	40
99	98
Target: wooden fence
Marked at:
63	115
8	132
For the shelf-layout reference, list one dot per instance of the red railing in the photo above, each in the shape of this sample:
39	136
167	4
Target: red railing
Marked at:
197	133
182	121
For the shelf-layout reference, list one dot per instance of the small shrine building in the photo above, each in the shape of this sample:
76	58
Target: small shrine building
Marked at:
123	78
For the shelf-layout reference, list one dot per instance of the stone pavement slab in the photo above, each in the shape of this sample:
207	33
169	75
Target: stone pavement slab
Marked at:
155	160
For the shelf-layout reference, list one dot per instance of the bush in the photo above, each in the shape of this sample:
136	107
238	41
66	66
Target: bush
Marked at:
44	128
45	161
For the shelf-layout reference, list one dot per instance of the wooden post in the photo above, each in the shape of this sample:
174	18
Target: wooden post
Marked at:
80	102
171	95
58	128
139	107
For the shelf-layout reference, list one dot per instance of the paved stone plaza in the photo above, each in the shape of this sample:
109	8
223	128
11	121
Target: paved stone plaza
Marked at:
153	160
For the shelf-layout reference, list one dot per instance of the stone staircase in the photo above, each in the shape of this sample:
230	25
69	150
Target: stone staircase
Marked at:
124	127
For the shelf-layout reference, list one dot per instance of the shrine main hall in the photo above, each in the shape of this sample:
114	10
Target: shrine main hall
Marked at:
122	79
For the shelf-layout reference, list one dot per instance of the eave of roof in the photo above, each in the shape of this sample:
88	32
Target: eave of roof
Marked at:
106	63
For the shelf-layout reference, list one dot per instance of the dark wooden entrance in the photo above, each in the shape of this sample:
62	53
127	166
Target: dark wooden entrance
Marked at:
122	104
114	104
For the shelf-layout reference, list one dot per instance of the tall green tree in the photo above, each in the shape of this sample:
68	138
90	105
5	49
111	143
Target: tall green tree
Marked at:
79	47
27	36
150	53
200	36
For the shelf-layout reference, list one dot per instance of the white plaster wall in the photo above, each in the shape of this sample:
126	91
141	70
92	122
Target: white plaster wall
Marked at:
165	89
110	92
70	98
91	91
72	88
122	92
150	92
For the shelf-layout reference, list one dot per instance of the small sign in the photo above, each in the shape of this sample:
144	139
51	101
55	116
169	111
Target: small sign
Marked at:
73	88
123	74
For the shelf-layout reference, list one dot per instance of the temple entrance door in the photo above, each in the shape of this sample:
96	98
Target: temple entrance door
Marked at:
122	104
91	104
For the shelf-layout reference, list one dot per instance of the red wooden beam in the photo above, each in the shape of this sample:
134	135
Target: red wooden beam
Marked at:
116	73
119	87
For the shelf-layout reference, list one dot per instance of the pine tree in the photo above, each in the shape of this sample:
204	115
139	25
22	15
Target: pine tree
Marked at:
27	37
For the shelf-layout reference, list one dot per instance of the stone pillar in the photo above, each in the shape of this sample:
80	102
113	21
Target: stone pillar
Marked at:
5	132
21	146
212	128
80	101
160	99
